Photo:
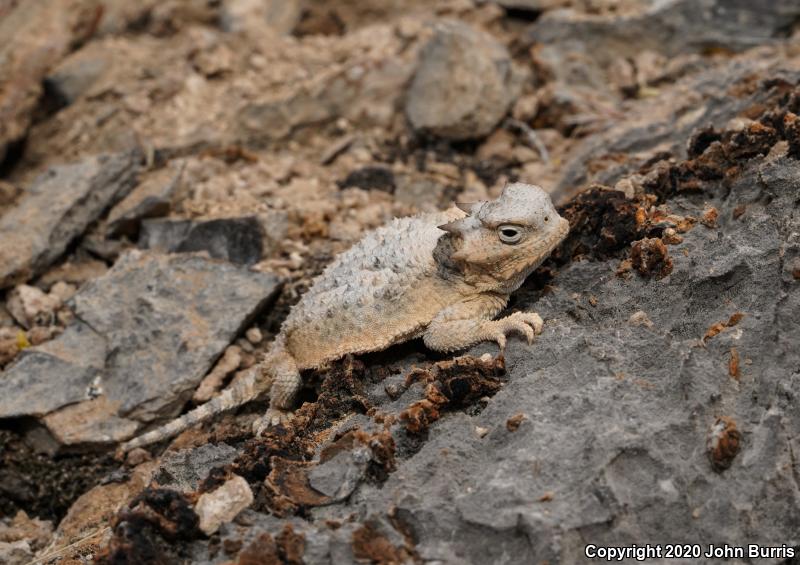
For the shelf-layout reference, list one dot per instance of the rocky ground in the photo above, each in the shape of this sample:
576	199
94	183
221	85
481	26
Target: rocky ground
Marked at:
172	174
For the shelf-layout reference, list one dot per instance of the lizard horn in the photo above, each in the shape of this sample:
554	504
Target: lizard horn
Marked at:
465	206
451	227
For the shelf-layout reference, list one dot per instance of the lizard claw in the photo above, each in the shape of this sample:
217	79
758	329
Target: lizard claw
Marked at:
500	338
526	323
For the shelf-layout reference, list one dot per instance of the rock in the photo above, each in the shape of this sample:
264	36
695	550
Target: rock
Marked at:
164	319
8	193
75	75
254	335
35	532
223	504
366	89
280	16
31	307
421	192
93	421
338	477
167	319
712	24
534	5
374	177
62	291
164	235
231	360
184	470
624	423
238	240
35	36
59	372
663	124
57	208
150	199
464	84
15	552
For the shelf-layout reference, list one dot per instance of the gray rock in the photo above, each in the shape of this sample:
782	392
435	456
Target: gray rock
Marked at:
74	76
184	470
238	240
280	16
705	24
464	84
166	319
663	124
613	450
533	5
150	199
57	208
35	37
164	234
338	477
57	373
147	333
15	552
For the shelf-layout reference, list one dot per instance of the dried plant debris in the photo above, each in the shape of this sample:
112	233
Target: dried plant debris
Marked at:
650	258
286	548
371	546
515	421
724	443
453	384
150	529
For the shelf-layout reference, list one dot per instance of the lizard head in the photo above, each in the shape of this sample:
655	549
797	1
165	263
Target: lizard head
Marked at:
501	241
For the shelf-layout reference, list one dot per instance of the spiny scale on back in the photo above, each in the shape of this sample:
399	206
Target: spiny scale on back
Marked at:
442	276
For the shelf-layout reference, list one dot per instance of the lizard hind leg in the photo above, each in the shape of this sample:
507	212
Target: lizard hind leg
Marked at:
286	383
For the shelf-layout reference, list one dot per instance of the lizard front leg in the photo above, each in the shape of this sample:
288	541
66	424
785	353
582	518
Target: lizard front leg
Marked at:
469	322
286	383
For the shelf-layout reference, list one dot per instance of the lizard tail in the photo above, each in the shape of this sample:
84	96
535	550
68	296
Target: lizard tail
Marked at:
242	391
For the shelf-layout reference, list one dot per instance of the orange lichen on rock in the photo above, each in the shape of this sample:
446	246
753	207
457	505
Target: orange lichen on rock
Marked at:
733	364
716	328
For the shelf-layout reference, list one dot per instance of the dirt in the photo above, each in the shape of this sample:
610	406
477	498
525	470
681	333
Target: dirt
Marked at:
43	485
298	122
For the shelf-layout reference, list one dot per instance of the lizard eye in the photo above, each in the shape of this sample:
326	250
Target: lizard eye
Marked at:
509	234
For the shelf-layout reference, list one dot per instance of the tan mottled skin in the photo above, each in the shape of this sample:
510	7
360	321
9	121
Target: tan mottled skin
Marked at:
441	276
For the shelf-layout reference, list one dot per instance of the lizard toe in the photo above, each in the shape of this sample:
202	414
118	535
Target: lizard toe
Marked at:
534	320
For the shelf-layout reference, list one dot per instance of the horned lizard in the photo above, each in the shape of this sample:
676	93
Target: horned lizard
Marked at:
441	276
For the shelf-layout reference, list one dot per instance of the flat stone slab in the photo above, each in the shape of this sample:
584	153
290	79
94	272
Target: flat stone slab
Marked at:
54	374
166	319
57	208
147	333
